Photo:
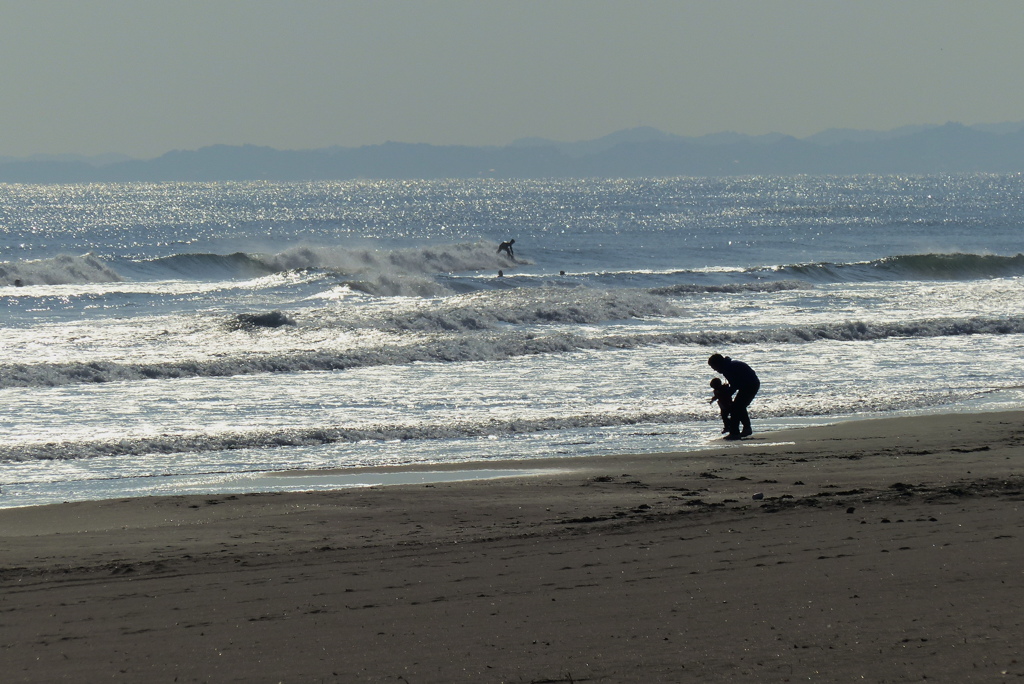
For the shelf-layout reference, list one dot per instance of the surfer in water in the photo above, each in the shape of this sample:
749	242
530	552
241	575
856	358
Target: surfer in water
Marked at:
507	248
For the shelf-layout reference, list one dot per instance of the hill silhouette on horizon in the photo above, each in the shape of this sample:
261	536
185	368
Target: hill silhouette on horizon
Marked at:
637	152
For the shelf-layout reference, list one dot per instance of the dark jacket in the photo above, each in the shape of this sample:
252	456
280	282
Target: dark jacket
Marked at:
740	375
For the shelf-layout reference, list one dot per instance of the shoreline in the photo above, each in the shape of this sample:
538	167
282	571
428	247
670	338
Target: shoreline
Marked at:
15	495
885	548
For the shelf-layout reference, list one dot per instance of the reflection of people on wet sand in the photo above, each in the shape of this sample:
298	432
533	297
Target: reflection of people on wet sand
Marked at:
507	248
744	380
723	395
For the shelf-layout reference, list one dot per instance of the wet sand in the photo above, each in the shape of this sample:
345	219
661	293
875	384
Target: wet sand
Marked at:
889	550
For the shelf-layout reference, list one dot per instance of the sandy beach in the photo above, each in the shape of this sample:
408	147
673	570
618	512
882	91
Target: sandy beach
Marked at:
878	550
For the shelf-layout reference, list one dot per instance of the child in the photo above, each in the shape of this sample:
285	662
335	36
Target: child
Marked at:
723	395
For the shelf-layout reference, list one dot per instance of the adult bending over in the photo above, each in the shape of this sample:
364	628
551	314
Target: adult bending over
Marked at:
744	380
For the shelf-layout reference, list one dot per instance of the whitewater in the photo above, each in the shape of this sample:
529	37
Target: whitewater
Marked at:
229	337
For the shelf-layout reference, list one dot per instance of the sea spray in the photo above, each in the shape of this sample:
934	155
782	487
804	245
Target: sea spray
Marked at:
59	270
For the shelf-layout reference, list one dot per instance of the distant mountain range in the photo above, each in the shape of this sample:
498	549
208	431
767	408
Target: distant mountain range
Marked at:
637	152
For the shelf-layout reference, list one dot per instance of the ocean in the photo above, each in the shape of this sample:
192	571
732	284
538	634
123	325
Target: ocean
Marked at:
172	338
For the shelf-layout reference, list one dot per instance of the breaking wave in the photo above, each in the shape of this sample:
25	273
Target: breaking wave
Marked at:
529	307
328	435
415	271
448	430
365	265
392	285
955	266
60	270
488	346
731	288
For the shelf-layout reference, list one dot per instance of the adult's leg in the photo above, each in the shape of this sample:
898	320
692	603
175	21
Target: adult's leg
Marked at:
739	411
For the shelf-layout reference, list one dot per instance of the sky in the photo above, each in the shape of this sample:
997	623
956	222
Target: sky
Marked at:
144	77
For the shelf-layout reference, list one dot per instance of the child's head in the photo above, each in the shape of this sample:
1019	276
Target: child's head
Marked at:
716	382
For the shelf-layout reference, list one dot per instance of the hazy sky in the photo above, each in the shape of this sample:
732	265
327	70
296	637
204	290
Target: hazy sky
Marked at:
142	77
